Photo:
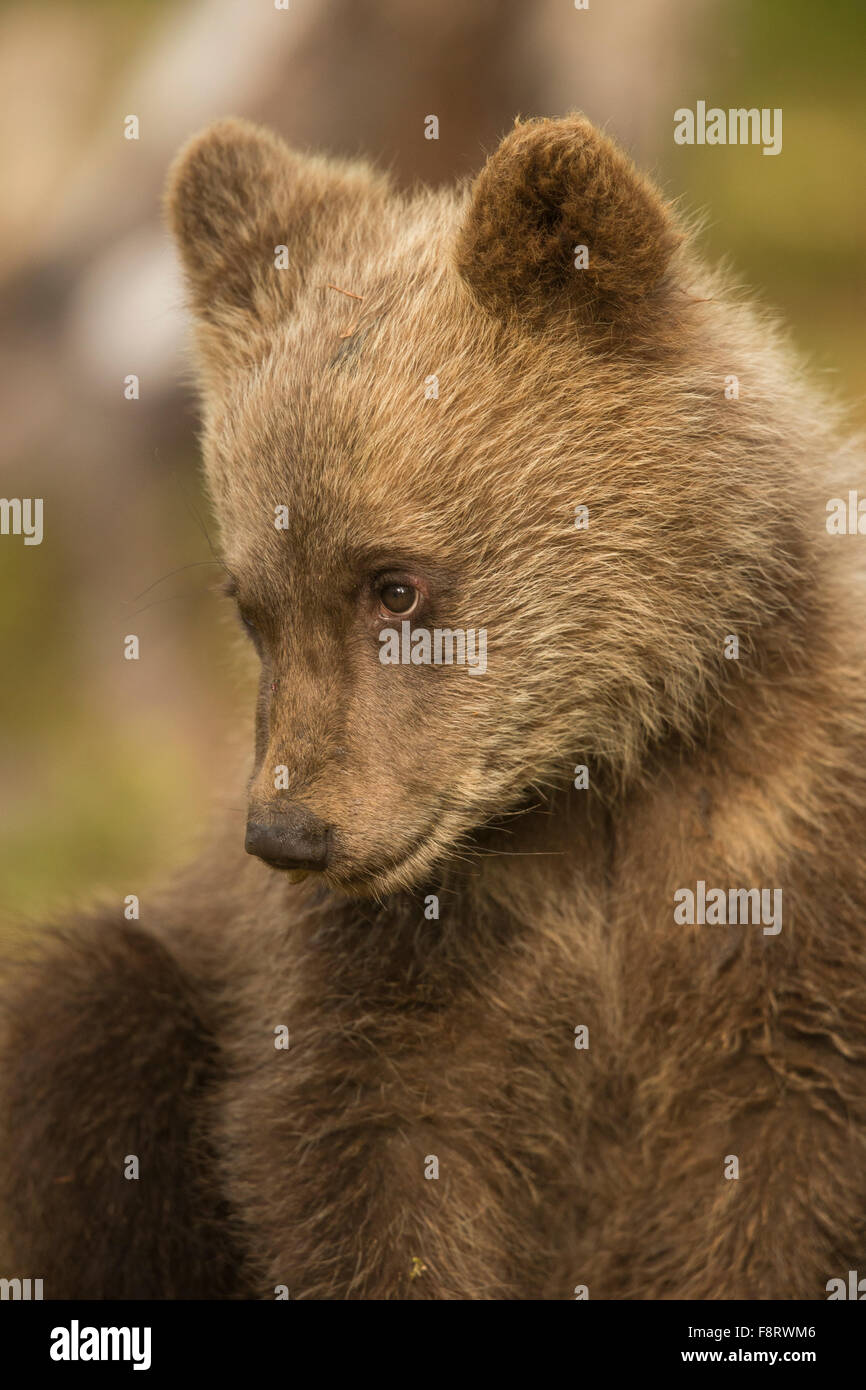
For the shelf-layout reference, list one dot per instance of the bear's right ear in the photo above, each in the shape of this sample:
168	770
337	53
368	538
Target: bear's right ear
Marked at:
559	221
236	195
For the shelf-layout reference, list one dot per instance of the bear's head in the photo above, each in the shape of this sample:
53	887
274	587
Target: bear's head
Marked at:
486	425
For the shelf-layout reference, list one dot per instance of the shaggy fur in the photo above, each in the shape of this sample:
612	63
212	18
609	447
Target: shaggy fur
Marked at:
454	1037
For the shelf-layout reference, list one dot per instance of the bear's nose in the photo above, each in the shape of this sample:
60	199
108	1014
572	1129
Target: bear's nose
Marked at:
295	839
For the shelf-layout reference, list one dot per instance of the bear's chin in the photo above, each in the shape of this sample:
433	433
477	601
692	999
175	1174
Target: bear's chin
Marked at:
407	870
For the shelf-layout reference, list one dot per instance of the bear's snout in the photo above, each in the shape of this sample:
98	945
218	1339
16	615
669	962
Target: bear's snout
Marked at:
294	839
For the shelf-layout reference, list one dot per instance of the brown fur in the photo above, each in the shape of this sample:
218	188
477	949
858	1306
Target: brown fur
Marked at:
454	1038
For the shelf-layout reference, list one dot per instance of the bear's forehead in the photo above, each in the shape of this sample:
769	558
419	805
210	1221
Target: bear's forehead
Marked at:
405	420
355	412
321	490
354	466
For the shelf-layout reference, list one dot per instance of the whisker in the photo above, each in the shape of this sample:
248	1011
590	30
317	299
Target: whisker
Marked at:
172	598
192	565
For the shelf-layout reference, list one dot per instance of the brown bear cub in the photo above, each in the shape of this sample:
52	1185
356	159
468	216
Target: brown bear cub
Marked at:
545	970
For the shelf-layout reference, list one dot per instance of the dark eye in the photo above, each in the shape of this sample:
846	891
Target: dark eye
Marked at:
399	599
249	628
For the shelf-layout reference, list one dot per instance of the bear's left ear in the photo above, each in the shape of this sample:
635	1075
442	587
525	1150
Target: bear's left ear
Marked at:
561	220
247	213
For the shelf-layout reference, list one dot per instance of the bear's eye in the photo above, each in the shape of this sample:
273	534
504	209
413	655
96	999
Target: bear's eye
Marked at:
250	629
229	587
399	599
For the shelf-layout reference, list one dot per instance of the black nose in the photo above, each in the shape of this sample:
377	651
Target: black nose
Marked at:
296	839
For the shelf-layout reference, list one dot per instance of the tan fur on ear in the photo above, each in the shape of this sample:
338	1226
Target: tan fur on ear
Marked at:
235	193
551	186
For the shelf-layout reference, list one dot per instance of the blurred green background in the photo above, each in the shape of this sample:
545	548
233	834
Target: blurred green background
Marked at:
111	771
